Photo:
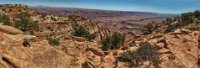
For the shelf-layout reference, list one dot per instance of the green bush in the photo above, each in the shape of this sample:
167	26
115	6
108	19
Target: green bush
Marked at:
43	15
34	25
82	32
113	42
117	40
168	21
3	9
150	27
53	18
172	27
54	42
24	22
197	14
5	20
169	28
107	43
187	18
146	52
184	20
90	36
194	28
72	17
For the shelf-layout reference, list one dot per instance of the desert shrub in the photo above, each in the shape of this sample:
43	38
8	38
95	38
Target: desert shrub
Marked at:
194	28
150	27
43	15
3	9
146	52
90	36
168	21
107	43
82	32
53	18
113	42
169	28
117	40
187	18
54	42
172	27
24	22
72	17
5	20
184	20
197	14
34	25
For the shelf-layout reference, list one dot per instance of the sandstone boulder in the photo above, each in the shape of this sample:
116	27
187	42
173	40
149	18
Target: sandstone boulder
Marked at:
9	29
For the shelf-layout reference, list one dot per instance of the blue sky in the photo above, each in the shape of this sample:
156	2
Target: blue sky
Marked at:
161	6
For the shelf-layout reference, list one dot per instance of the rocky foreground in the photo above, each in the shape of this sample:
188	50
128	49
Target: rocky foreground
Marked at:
178	49
75	53
181	45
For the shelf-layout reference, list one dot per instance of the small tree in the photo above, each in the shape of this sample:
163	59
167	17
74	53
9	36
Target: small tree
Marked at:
43	15
107	43
117	40
25	23
168	21
53	18
113	42
4	9
82	32
72	17
146	52
90	36
150	27
194	28
5	20
33	25
187	18
169	28
197	14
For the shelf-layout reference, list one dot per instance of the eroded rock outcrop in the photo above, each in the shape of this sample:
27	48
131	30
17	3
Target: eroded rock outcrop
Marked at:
39	55
182	44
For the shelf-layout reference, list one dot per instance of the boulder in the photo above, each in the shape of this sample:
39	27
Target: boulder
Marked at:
178	31
181	31
9	30
185	31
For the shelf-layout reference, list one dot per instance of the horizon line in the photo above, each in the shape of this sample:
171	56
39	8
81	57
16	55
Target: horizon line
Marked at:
103	9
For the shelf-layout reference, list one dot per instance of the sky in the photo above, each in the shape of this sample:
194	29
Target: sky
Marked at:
159	6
